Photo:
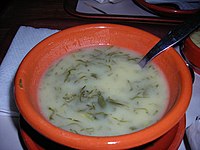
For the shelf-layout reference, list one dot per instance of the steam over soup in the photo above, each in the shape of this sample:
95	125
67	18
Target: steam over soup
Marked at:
101	91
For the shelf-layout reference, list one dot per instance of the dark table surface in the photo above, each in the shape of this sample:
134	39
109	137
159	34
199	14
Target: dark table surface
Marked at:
14	13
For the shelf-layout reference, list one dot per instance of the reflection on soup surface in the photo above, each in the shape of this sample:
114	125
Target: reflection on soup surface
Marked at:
101	91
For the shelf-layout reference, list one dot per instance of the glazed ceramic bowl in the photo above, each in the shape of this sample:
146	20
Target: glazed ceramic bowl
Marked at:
191	51
167	9
54	47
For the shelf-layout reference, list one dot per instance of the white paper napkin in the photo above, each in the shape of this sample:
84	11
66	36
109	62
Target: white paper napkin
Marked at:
25	39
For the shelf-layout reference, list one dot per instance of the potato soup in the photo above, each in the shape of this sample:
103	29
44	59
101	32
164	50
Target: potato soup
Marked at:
102	91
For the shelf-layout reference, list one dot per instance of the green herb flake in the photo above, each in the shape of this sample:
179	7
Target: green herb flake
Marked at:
81	78
88	130
141	109
101	114
91	107
20	83
155	112
72	119
133	128
90	116
73	131
115	102
140	94
52	113
94	75
68	74
130	86
101	101
82	93
120	120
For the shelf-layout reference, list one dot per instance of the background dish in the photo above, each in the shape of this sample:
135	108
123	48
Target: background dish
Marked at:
127	10
166	10
191	53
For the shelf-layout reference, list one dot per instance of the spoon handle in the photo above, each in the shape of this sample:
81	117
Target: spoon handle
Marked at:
174	36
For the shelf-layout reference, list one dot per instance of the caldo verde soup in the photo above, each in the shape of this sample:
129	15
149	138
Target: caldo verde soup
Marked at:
101	91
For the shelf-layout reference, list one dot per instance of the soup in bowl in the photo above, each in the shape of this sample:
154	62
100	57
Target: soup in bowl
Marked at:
82	88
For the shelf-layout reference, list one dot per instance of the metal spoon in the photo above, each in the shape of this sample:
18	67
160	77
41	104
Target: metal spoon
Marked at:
173	37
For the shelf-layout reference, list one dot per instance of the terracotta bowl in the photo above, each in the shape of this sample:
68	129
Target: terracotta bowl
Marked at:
191	52
57	45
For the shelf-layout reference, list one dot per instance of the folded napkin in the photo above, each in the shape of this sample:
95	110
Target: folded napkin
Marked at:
193	134
25	39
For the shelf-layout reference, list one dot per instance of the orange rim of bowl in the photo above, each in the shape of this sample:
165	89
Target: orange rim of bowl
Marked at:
58	135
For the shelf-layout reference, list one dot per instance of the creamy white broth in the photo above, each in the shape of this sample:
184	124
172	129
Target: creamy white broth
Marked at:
101	91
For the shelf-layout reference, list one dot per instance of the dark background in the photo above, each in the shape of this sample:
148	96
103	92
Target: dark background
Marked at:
17	12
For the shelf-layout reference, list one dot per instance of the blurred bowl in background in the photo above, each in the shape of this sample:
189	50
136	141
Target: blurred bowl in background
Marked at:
191	50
